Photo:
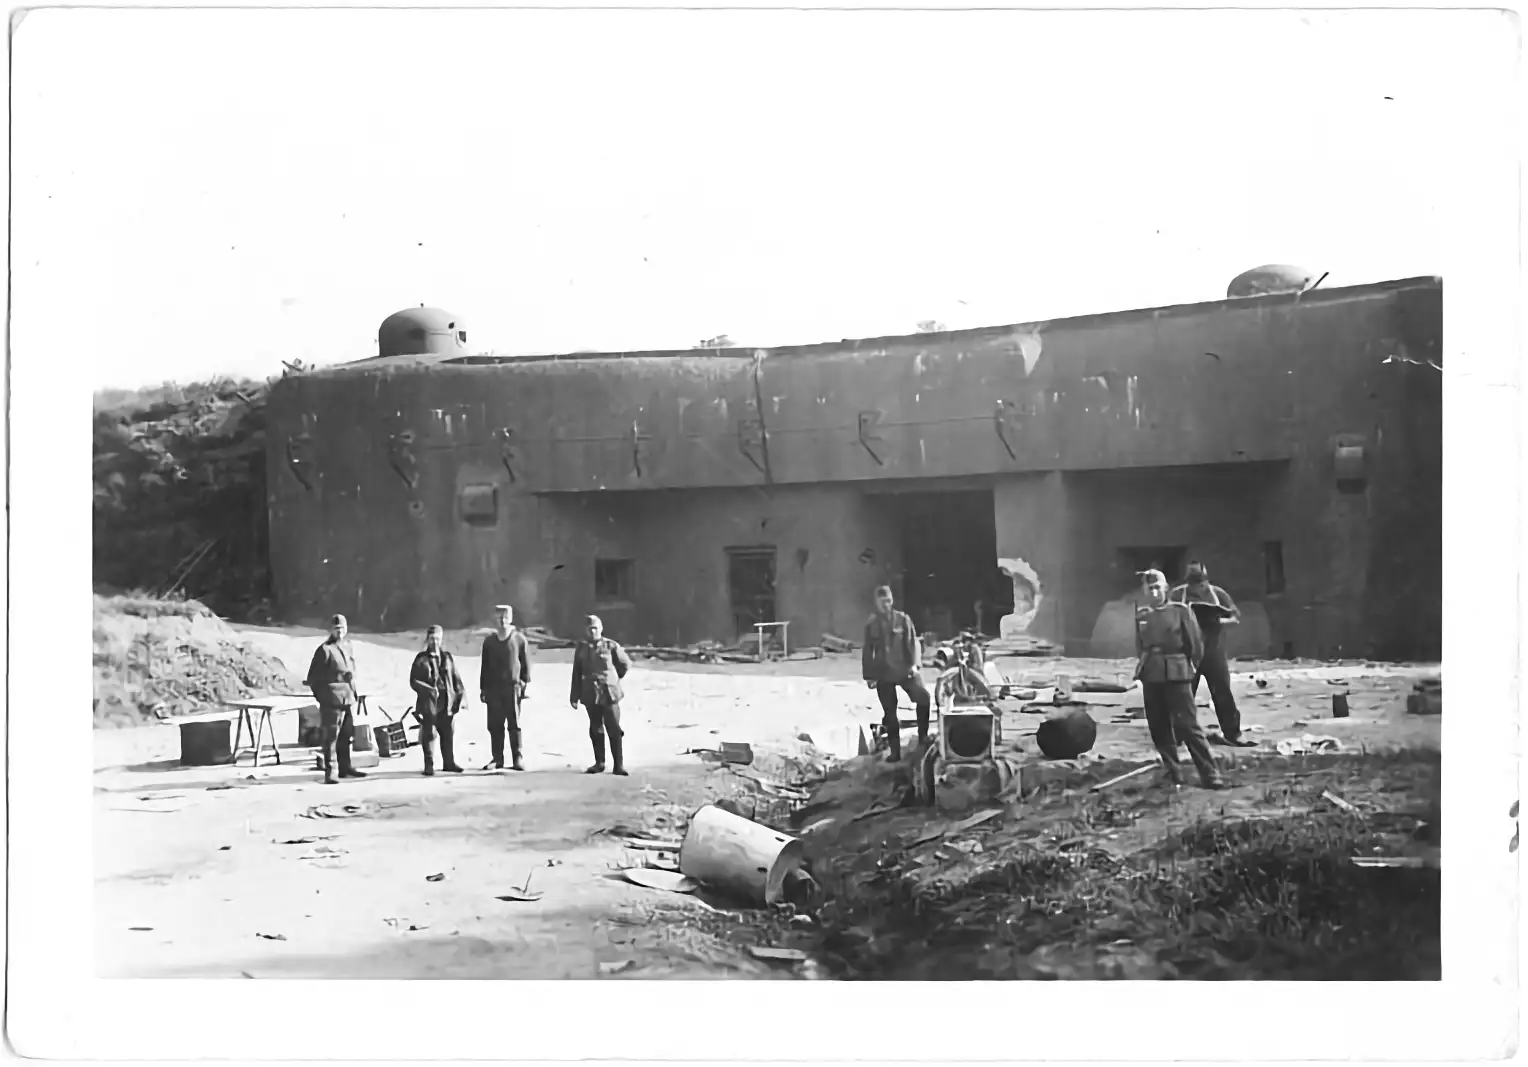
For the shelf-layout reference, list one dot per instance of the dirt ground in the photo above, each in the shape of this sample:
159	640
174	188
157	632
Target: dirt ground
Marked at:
195	865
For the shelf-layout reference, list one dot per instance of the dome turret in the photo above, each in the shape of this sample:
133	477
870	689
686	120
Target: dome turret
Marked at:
422	331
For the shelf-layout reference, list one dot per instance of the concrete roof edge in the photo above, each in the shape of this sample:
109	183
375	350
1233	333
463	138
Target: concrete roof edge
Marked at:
850	344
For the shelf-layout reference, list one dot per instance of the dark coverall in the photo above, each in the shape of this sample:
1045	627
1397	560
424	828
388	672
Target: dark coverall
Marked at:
598	667
1168	646
438	688
331	677
891	659
505	673
1213	668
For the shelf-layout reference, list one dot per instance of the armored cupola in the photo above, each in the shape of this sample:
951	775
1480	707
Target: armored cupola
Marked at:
1270	278
422	331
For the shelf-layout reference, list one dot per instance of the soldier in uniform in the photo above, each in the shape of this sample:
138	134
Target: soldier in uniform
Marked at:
438	697
599	664
503	679
890	661
1213	668
331	677
1168	646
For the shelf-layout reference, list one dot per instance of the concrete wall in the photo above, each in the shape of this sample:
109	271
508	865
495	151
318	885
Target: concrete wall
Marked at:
368	465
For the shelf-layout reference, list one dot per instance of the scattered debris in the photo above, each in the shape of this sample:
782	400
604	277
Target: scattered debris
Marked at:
1395	861
324	852
957	828
781	955
736	752
397	924
523	893
273	937
652	845
1125	777
141	929
878	809
834	643
304	840
340	811
617	967
656	878
435	877
1328	795
1307	744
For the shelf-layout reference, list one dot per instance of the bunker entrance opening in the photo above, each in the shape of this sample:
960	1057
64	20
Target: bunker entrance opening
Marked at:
950	577
751	586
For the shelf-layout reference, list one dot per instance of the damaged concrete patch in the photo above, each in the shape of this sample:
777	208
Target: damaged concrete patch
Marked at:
1028	341
1027	597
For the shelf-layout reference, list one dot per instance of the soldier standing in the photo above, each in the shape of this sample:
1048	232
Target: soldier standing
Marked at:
599	664
331	677
1213	668
503	680
1168	646
890	662
438	688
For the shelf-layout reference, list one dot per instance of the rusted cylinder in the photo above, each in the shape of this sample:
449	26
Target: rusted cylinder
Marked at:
728	852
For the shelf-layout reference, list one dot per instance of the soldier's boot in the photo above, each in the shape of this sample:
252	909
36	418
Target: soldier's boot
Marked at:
598	740
346	770
328	761
429	757
922	726
894	740
514	749
448	754
496	740
617	765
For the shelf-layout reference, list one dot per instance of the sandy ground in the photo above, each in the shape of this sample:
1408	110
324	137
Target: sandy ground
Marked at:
189	877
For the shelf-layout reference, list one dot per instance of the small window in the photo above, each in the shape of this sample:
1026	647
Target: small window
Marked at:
480	504
615	580
1273	567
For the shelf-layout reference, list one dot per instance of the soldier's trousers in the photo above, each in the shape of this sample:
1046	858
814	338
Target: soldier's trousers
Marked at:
1217	672
429	726
336	731
503	716
605	719
1171	717
887	692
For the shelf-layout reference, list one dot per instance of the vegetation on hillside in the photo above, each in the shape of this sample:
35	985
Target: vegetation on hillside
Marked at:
179	493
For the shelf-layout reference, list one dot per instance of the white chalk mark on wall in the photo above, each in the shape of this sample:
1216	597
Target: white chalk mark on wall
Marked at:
1027	597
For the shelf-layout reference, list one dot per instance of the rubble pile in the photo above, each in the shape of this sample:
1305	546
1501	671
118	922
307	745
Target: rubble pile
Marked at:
160	658
179	494
1100	875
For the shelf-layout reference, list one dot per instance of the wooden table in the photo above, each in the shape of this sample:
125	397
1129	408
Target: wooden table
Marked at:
785	649
255	715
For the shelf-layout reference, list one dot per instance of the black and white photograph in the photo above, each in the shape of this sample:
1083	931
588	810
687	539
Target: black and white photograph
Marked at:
638	494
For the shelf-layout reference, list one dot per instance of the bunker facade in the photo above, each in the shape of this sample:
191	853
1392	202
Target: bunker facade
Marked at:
1016	476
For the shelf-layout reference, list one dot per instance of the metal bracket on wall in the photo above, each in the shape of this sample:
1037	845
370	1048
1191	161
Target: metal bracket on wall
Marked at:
636	449
750	441
507	454
299	451
869	434
1008	421
400	456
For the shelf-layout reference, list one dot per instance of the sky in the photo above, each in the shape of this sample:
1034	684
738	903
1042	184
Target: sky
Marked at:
205	192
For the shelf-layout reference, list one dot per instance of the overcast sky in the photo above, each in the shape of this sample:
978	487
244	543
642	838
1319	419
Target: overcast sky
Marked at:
202	192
